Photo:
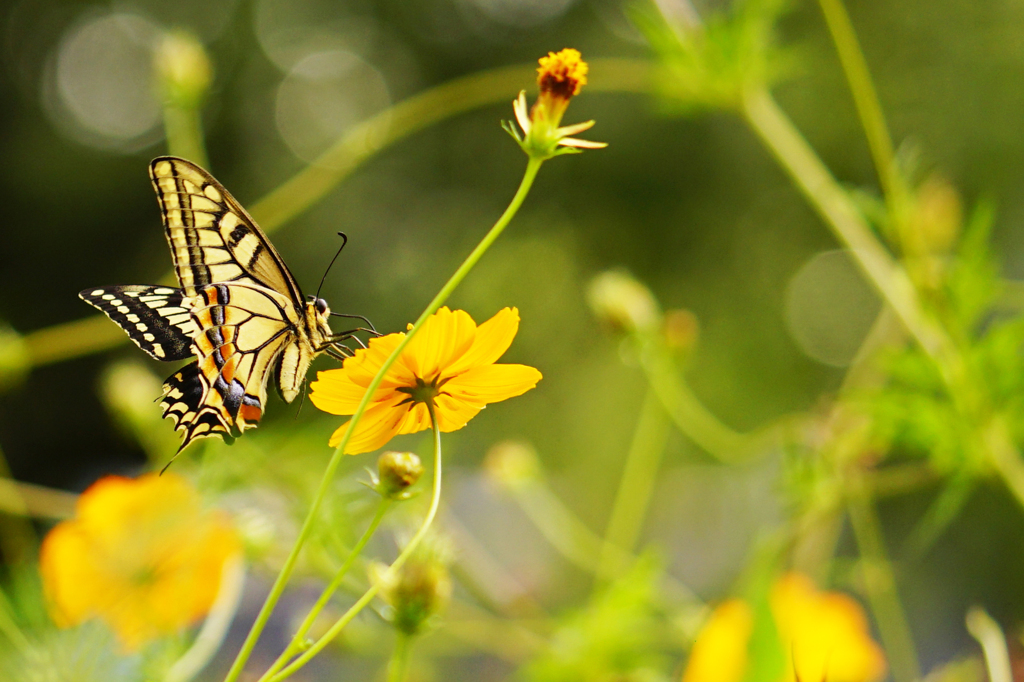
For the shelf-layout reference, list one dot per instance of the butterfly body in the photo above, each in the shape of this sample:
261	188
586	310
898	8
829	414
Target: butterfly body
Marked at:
238	310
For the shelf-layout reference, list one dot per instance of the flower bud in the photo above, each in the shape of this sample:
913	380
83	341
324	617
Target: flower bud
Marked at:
396	472
14	358
418	590
680	330
512	464
937	216
183	69
623	303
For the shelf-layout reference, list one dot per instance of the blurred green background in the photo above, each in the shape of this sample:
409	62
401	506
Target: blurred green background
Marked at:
692	206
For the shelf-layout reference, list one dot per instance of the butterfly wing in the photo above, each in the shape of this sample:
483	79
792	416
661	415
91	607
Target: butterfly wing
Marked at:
212	238
154	317
243	330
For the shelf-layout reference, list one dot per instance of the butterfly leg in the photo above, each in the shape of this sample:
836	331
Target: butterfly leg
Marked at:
370	330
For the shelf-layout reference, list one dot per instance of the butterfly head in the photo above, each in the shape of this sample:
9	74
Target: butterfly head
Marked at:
319	312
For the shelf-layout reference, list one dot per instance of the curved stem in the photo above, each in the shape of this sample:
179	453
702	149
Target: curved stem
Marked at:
399	662
307	526
183	127
635	486
865	98
368	596
295	645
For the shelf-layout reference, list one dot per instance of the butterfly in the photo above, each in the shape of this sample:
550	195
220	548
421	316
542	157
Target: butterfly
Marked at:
238	310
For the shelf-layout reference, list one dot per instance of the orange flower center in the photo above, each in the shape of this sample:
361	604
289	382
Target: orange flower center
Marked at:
562	74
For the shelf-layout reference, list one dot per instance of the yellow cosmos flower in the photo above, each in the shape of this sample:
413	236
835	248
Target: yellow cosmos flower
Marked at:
141	555
824	638
827	633
559	77
449	363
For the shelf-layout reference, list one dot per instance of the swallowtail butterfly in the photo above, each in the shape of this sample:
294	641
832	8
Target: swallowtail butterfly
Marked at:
238	310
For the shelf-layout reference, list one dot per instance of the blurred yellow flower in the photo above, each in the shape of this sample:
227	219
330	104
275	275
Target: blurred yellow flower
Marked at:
449	363
141	555
824	638
720	652
826	633
559	78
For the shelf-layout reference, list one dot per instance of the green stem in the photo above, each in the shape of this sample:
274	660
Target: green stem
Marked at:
847	223
993	643
9	627
389	575
399	662
183	127
865	99
880	584
635	486
689	415
296	643
307	526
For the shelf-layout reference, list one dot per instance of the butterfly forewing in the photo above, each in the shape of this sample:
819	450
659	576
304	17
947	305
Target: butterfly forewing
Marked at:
211	236
154	317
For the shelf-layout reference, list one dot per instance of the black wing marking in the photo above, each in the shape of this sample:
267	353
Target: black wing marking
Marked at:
153	316
184	401
212	238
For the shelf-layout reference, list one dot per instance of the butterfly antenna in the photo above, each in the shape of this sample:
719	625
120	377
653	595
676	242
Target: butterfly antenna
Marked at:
302	394
344	240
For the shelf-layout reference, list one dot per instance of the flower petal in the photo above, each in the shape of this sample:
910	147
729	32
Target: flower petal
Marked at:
582	144
377	426
335	392
416	420
519	106
363	366
445	336
492	383
493	338
453	413
575	129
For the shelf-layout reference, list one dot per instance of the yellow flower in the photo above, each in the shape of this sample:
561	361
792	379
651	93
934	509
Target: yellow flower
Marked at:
824	637
449	363
827	633
141	555
559	77
720	652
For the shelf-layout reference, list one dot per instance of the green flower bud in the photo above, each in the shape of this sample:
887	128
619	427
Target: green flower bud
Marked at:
396	472
623	303
418	590
512	464
183	69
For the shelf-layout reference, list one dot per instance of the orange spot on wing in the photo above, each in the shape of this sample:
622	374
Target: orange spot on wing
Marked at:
250	413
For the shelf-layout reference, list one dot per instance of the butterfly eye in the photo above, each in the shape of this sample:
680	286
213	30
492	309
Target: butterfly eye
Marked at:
321	306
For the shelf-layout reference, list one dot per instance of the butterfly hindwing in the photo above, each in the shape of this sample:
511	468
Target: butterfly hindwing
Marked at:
155	317
211	236
184	401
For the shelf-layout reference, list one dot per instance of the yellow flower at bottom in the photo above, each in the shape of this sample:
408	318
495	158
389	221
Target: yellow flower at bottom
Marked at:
449	363
824	637
826	633
720	652
140	554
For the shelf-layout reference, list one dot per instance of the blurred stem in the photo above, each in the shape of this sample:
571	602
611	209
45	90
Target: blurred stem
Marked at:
865	98
993	643
635	486
687	412
216	625
35	501
94	334
183	127
846	221
17	537
388	575
9	627
529	175
400	658
880	585
298	640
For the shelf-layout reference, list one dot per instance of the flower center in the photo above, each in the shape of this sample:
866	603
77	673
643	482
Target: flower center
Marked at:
422	392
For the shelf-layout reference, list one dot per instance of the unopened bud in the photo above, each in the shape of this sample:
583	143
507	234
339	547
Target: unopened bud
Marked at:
183	69
938	216
512	464
14	358
397	472
622	302
418	590
680	330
